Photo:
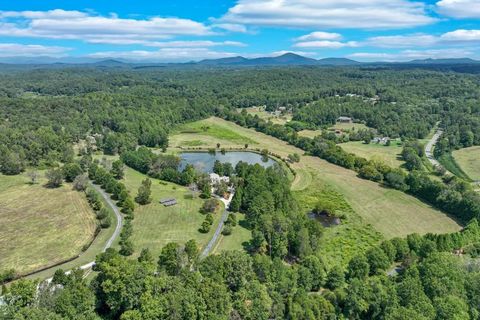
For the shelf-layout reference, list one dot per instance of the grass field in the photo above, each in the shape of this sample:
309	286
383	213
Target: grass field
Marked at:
199	134
390	155
265	115
39	226
448	161
390	212
236	241
309	133
155	225
348	126
469	161
339	243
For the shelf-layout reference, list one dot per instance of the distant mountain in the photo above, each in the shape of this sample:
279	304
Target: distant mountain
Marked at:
338	62
444	61
282	60
287	59
224	61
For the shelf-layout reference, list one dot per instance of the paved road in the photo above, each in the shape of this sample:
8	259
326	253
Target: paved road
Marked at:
430	145
116	233
218	231
118	227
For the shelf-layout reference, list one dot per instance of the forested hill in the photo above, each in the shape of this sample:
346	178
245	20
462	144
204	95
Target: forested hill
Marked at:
44	111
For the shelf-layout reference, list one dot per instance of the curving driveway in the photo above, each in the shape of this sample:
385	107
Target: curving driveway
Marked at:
430	145
111	204
214	239
116	233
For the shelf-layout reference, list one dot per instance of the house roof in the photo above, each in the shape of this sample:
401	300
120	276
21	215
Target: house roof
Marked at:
163	201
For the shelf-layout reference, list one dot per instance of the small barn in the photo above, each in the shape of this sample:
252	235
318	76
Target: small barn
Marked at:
168	202
345	120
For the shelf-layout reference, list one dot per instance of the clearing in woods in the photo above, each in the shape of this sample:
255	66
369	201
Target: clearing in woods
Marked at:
390	212
469	161
277	118
390	155
156	225
39	226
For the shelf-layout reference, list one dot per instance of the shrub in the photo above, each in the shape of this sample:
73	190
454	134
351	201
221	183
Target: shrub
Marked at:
209	206
227	230
106	222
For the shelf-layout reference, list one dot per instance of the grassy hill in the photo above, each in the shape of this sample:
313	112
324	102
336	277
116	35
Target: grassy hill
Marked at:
469	161
390	212
40	227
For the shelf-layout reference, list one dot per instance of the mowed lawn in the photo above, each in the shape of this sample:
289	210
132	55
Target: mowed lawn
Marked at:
207	134
390	155
309	133
348	126
240	236
39	226
268	116
391	212
469	161
155	225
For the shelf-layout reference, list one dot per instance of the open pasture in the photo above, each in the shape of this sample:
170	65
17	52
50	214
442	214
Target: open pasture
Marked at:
390	212
40	227
469	161
156	225
390	155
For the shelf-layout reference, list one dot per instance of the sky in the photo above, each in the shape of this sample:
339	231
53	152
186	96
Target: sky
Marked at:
191	30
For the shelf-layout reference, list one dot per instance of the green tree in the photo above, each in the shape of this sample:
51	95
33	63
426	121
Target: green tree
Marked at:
191	250
218	167
170	259
144	192
71	171
378	260
335	278
358	268
55	178
117	169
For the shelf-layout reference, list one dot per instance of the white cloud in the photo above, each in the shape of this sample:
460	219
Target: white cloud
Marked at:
60	24
368	14
462	35
320	35
453	38
50	14
402	41
167	44
462	9
165	54
231	27
30	50
326	44
407	55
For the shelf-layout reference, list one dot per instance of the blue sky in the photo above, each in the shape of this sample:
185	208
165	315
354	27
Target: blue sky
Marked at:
184	30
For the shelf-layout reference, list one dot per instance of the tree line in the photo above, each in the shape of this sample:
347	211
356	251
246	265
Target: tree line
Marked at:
455	197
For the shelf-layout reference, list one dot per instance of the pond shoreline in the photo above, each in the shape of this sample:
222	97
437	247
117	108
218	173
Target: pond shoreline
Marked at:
275	157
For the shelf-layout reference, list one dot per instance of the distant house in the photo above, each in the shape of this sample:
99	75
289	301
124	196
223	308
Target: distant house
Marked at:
168	202
215	178
345	120
380	140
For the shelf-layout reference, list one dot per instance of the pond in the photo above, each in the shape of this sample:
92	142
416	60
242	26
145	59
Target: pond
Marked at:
204	161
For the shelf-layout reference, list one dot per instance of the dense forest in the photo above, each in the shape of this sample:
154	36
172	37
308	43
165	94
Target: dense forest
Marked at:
281	278
45	112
